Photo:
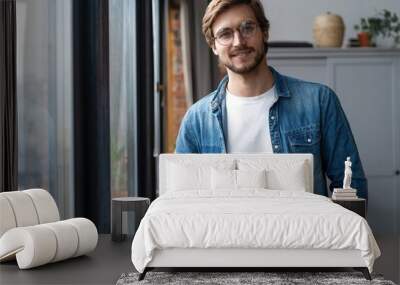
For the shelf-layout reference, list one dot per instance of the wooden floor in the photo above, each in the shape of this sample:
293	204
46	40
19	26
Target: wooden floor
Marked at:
102	266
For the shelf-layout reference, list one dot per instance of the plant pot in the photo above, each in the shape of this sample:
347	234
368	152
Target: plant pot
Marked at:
385	42
365	39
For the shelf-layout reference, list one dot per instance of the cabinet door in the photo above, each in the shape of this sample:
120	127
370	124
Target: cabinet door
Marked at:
369	94
311	69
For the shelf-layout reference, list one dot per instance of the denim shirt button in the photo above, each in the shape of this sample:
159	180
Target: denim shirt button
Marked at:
272	117
309	140
275	146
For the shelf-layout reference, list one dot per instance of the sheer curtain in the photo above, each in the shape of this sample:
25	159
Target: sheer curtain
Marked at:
123	87
44	99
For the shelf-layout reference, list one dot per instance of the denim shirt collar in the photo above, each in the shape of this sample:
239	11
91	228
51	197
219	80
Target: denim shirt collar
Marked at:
217	101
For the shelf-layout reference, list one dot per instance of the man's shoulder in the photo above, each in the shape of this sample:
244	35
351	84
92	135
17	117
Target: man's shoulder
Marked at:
308	93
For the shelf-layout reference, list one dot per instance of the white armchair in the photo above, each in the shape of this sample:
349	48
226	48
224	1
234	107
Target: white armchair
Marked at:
31	230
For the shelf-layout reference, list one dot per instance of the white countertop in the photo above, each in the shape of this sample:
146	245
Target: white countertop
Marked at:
331	52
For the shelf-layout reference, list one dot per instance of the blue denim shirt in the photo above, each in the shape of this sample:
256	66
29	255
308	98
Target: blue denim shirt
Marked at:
306	118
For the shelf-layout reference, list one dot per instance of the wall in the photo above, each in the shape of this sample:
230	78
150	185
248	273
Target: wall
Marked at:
293	20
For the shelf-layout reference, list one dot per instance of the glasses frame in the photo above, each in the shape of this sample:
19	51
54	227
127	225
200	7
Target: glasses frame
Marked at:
239	29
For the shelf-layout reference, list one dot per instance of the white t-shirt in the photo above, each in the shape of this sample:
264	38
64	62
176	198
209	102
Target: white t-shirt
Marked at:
248	122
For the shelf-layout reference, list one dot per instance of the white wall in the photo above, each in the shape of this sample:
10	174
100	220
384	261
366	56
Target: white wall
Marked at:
293	20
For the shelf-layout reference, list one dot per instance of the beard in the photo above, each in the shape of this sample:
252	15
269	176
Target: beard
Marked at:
250	66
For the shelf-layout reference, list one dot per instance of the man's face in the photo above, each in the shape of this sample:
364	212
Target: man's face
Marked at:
243	54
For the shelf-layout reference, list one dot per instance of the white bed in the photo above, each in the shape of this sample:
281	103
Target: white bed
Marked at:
200	221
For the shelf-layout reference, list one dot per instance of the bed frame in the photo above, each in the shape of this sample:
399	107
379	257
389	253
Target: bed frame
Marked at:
248	259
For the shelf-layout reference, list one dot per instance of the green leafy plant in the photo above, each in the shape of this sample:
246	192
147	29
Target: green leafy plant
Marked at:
390	25
385	23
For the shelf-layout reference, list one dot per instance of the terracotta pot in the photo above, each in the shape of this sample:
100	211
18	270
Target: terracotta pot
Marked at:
328	30
365	39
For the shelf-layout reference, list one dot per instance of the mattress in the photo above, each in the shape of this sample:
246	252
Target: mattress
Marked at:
250	219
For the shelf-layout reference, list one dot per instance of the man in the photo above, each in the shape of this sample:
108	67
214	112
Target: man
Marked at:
256	109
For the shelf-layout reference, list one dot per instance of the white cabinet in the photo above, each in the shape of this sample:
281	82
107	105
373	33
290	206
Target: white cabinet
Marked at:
367	82
309	69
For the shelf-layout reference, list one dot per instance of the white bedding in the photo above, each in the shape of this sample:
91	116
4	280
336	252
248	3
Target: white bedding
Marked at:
251	218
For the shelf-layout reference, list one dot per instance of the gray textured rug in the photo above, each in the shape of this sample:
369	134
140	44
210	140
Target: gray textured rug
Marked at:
225	278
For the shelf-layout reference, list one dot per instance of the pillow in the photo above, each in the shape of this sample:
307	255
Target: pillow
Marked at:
190	175
251	178
282	174
223	179
291	179
237	179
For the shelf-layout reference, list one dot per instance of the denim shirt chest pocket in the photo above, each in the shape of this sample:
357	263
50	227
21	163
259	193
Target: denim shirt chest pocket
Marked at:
305	140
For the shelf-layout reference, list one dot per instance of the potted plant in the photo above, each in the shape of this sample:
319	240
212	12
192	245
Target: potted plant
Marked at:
368	30
390	28
385	25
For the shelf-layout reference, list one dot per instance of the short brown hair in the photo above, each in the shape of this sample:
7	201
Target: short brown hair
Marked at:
217	7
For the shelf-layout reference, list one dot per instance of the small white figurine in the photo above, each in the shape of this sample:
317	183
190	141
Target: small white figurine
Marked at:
347	174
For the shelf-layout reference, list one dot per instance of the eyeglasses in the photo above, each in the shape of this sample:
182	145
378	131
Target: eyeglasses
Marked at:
246	30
